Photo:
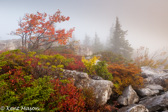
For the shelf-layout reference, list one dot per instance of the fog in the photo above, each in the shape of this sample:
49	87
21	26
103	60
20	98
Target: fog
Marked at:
145	20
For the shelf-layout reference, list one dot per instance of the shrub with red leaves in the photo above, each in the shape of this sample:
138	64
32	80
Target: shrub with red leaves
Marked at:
17	79
77	64
68	97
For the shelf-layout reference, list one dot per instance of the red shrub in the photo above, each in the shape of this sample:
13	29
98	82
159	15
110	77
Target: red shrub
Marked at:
110	108
77	64
70	99
17	79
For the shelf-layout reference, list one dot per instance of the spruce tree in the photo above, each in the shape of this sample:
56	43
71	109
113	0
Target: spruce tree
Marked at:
119	44
97	45
86	41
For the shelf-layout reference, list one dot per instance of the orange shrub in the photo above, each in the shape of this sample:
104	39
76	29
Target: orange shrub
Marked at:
90	99
125	75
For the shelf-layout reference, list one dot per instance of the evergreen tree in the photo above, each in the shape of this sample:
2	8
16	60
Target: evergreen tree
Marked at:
86	41
118	42
97	46
108	39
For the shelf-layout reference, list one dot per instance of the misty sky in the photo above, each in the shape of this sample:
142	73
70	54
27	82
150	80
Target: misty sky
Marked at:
145	20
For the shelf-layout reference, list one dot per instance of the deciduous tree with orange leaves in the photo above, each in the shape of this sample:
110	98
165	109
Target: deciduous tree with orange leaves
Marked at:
38	30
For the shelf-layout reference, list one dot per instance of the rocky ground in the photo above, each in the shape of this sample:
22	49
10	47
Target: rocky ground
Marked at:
153	97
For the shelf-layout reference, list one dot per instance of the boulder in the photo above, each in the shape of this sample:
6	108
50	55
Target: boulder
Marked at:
149	90
128	97
134	108
146	92
102	88
156	103
154	76
165	70
154	87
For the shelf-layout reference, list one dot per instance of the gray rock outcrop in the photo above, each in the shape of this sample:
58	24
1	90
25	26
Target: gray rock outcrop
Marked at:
101	88
154	76
134	108
153	96
128	97
10	44
155	103
84	51
149	90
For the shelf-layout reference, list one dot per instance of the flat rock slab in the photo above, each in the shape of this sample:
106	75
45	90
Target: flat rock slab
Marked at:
134	108
154	87
155	103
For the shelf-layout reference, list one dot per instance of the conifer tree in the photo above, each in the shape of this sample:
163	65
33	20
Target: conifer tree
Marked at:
119	44
86	41
97	46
